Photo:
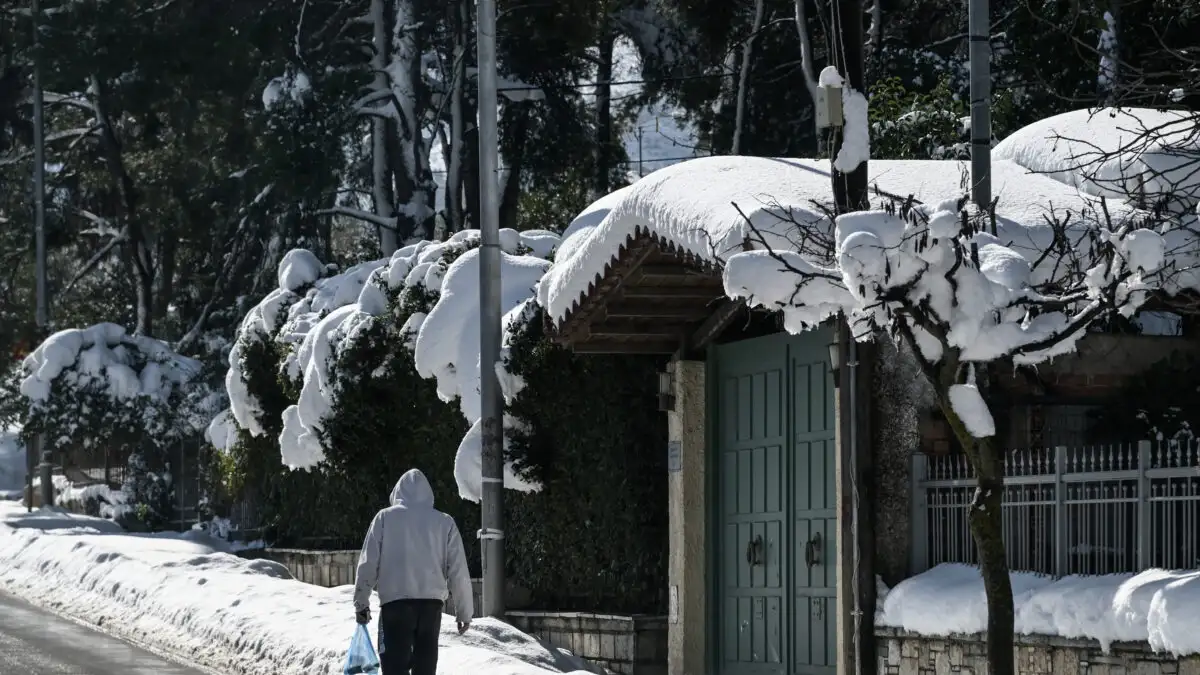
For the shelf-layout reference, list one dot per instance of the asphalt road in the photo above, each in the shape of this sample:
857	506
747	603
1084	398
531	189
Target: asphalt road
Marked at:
36	642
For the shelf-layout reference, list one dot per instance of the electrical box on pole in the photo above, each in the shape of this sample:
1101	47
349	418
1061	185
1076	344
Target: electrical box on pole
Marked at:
828	107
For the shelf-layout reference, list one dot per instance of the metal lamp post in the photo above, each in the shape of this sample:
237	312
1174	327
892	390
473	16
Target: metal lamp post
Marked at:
491	533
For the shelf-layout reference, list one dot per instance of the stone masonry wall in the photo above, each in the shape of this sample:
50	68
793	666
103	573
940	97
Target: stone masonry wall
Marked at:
903	653
319	568
629	645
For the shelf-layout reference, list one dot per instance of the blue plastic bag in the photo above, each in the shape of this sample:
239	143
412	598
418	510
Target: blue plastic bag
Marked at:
362	659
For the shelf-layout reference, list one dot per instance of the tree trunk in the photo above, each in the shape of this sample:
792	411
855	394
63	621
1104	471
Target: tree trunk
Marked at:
168	245
986	520
458	123
382	128
739	119
987	528
510	196
604	129
471	171
412	177
141	258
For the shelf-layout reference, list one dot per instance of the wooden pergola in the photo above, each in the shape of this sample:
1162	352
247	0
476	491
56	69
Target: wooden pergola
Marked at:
653	298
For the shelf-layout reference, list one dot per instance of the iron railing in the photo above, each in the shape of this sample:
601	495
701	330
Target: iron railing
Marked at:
1069	510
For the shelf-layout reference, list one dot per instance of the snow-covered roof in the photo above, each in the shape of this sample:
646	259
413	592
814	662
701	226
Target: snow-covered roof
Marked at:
712	207
1114	152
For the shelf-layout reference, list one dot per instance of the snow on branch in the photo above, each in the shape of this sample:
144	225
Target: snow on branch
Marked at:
937	274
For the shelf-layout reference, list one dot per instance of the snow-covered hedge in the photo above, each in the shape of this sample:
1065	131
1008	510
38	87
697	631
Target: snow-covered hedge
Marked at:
313	319
358	375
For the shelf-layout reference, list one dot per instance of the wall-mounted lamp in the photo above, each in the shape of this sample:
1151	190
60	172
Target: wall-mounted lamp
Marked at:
835	362
666	390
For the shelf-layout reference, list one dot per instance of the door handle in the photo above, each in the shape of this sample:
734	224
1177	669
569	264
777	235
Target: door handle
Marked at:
812	551
754	551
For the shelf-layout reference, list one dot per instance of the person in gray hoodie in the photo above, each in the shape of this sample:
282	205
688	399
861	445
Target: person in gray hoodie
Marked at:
412	556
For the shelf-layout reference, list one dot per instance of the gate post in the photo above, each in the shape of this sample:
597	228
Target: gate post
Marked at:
919	553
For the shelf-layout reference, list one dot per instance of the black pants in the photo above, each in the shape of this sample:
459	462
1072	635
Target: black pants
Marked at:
408	637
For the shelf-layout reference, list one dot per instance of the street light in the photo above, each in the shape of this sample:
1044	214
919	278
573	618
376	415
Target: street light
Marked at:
666	390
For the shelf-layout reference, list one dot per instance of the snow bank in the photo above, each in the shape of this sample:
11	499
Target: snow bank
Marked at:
315	328
1156	606
1115	152
105	358
108	503
187	595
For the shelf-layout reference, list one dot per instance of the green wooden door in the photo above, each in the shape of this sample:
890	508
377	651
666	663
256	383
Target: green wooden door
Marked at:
773	445
814	502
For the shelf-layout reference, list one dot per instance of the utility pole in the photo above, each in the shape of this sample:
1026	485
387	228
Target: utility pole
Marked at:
39	210
491	533
978	31
849	189
856	597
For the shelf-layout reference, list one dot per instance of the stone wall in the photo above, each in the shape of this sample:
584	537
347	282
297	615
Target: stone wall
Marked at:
900	395
902	653
629	645
319	568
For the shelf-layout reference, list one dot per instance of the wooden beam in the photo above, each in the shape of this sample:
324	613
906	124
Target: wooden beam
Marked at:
655	347
640	331
715	324
669	272
691	292
653	310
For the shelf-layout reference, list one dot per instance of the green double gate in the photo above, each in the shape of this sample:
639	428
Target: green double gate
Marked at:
775	516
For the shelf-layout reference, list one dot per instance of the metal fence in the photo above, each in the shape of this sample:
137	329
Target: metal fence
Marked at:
1069	510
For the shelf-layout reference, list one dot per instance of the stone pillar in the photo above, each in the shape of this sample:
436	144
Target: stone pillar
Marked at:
688	561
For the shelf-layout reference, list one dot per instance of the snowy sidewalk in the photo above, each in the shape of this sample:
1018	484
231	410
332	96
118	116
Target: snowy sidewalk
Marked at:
184	594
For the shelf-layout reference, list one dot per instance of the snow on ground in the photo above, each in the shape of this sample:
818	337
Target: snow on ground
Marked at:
185	594
1156	606
1114	152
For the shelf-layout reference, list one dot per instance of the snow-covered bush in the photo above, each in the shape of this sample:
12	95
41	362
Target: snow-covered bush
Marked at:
99	387
100	390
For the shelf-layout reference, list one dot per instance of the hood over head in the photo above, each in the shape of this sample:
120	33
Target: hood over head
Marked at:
413	491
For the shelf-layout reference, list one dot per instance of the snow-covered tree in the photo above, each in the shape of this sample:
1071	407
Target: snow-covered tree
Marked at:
964	291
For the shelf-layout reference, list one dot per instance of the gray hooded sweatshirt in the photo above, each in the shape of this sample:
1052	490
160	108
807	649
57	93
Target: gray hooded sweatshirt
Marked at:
413	552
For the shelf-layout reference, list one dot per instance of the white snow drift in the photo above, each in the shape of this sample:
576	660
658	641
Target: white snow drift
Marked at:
187	595
1160	607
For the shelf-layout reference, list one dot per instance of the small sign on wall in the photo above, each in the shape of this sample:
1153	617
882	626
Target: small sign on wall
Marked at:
673	605
674	457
